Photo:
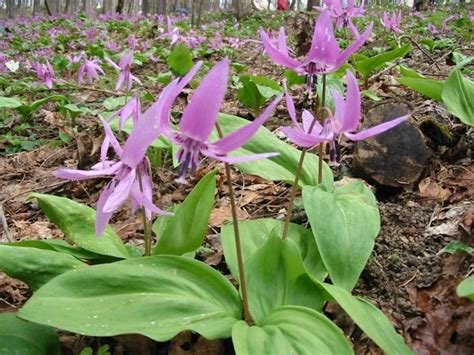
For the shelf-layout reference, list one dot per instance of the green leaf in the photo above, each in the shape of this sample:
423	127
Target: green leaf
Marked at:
455	246
293	78
78	224
256	90
290	330
34	266
158	296
282	167
27	110
409	73
180	60
254	234
345	223
466	288
371	320
367	66
458	94
371	95
9	102
429	87
18	337
276	276
113	103
185	231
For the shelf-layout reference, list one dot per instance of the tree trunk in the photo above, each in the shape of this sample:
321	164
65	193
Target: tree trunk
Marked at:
145	7
36	6
199	13
119	7
311	4
292	5
237	9
10	8
161	7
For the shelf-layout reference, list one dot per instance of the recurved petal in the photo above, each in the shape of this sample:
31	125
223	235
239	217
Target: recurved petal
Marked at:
300	138
242	135
376	129
351	117
279	57
324	45
199	117
354	47
73	174
103	218
121	191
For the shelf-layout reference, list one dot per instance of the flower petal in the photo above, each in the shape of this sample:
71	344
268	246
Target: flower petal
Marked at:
324	45
278	56
376	129
121	191
300	138
242	135
354	47
351	115
103	218
200	115
73	174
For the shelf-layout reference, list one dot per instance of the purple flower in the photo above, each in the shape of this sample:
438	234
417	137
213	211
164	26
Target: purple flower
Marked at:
347	117
131	109
432	28
343	14
444	24
393	22
91	68
124	68
130	173
45	73
200	117
307	134
324	56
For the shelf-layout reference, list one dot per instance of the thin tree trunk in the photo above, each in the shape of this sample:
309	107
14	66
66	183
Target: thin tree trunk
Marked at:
199	13
10	8
311	4
237	9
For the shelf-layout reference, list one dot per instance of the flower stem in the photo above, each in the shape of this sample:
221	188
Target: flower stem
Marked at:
238	246
321	145
146	226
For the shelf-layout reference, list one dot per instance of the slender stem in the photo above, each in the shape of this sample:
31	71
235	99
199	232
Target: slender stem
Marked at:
238	246
146	227
294	190
423	51
299	169
321	145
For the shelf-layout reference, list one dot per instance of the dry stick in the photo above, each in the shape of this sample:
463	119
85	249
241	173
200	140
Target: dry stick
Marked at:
423	51
382	72
238	246
3	219
299	169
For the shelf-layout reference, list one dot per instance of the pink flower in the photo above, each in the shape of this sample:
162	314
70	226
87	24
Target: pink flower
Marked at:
393	22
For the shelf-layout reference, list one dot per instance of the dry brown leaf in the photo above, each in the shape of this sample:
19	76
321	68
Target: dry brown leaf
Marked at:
431	189
224	213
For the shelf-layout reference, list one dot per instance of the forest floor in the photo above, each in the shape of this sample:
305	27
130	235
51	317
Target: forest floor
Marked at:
410	276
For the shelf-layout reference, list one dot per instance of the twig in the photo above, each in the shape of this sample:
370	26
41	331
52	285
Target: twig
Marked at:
410	280
6	231
390	67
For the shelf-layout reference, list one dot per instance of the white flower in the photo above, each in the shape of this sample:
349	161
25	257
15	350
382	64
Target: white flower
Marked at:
12	65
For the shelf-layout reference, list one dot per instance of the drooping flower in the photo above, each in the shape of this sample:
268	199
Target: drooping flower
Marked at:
124	68
341	13
392	23
444	24
130	174
324	56
45	73
346	119
90	68
308	133
200	117
131	109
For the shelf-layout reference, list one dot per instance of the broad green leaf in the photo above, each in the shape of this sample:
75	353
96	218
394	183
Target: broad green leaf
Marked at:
180	60
158	296
458	94
78	225
276	276
18	337
282	167
64	247
34	266
367	66
371	320
345	223
255	90
10	102
429	87
27	110
466	288
185	231
290	330
249	96
254	234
